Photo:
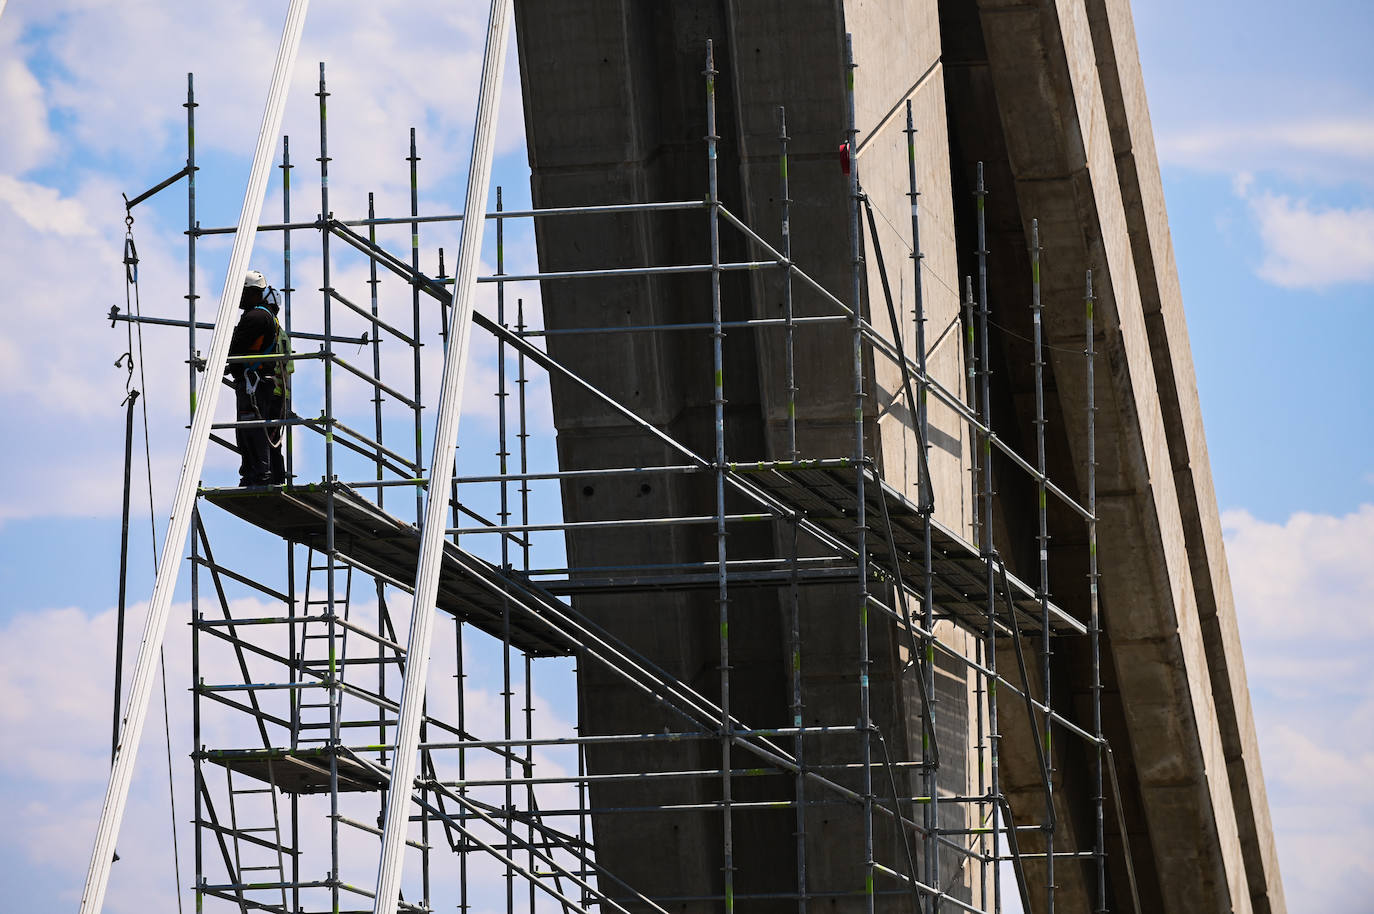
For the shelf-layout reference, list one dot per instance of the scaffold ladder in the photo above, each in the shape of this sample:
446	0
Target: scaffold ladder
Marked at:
261	837
315	659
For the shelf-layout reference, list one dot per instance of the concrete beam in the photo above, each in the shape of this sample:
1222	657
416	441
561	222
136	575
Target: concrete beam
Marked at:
1044	68
1142	192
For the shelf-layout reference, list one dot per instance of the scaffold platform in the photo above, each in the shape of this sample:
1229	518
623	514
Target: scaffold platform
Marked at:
470	588
298	771
826	495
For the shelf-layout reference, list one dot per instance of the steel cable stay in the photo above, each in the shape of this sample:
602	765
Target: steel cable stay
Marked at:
130	362
168	565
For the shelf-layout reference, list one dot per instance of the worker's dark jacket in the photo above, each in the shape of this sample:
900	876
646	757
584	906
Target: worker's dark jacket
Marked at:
259	394
256	333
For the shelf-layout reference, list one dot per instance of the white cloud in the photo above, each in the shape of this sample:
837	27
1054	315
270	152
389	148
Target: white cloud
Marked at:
1303	590
44	209
1313	247
26	138
1328	149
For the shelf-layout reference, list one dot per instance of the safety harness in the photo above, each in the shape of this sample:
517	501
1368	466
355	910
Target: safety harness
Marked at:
256	372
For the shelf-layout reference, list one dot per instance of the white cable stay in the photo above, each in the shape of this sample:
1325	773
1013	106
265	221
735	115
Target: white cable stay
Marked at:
154	628
441	467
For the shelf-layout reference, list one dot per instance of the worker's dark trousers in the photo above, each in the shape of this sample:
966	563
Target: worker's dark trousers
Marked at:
260	464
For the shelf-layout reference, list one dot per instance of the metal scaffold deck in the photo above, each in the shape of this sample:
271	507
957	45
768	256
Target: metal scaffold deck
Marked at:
386	547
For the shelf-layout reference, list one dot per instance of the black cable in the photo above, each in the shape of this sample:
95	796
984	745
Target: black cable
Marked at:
131	280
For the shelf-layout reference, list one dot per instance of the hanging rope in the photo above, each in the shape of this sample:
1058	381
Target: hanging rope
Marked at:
131	396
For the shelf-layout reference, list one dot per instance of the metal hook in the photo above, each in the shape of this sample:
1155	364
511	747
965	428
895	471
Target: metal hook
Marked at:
130	257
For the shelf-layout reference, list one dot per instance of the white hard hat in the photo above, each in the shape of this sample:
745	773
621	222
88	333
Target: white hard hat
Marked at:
254	280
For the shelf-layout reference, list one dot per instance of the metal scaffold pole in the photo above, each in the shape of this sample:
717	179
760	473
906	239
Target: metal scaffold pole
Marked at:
1095	620
860	520
718	415
169	565
441	466
987	548
930	772
1043	539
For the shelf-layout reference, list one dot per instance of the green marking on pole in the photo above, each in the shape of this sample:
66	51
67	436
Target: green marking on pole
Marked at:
724	631
980	203
720	378
987	446
791	409
1090	309
1047	741
755	772
1035	272
849	80
868	882
1092	549
193	401
415	239
783	163
796	661
1042	496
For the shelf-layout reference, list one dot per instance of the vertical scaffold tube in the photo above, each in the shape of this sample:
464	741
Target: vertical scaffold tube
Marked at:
441	466
793	595
930	774
183	502
1094	617
414	160
785	203
330	559
286	291
503	515
718	409
293	671
1043	539
987	549
860	460
191	297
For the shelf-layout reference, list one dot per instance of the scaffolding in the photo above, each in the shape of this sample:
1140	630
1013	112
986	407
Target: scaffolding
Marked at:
295	706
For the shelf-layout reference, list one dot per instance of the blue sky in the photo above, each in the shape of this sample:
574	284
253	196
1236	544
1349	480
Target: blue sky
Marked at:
1264	120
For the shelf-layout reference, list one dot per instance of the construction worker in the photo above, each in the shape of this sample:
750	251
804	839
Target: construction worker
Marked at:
260	388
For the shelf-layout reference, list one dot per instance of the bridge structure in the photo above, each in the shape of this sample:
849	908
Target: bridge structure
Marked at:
875	536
